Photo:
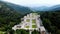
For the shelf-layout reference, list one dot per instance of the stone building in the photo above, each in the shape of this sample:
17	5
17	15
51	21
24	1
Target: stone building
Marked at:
31	22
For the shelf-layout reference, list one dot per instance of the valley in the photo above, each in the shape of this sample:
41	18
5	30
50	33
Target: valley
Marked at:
11	14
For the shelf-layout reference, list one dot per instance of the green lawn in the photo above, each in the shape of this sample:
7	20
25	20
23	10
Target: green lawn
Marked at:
33	21
34	26
27	26
28	20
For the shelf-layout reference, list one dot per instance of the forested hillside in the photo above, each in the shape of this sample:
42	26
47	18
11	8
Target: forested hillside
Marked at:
8	17
21	9
51	21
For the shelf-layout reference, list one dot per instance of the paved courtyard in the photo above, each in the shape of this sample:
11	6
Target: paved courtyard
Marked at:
30	22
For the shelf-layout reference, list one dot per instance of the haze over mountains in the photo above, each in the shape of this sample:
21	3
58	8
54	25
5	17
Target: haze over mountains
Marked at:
22	9
45	8
11	14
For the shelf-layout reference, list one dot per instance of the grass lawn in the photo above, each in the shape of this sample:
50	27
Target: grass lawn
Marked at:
34	26
33	21
28	20
27	26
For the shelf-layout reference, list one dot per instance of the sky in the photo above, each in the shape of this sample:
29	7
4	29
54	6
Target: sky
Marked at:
32	3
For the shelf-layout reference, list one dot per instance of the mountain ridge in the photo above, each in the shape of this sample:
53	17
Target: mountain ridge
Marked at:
45	8
23	10
18	8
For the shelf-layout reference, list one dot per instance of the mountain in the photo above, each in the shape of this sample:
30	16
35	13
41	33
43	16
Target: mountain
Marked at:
24	10
42	8
8	17
18	8
8	14
54	8
45	8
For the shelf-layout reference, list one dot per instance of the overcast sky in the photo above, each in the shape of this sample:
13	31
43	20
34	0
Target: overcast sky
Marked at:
35	2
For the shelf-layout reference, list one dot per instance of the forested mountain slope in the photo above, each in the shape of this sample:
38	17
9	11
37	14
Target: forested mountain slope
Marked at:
8	17
51	21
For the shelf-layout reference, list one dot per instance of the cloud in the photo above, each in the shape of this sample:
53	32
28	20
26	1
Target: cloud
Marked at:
35	2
